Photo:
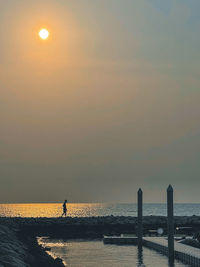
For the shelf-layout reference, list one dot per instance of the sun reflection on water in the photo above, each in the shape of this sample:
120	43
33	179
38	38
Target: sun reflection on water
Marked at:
50	209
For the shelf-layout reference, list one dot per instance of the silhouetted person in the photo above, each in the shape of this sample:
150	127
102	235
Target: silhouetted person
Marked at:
65	208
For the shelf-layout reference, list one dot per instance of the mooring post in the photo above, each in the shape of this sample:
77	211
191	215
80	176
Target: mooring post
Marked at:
170	223
140	228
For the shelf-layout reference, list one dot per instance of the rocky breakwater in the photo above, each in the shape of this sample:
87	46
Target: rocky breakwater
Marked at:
17	250
94	227
12	251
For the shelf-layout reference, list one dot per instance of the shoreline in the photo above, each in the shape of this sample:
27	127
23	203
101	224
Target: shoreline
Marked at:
37	255
19	234
21	250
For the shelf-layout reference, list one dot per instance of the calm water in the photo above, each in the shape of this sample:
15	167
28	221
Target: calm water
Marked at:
82	253
91	209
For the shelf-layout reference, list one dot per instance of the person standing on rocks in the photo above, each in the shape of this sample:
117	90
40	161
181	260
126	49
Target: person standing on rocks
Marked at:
64	208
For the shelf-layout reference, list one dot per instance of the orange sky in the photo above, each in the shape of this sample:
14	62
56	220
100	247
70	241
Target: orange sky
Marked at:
107	104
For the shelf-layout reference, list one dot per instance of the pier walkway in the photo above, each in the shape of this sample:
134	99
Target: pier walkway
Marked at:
121	240
184	253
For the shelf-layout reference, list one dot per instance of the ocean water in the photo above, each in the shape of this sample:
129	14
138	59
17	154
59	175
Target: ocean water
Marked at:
93	209
93	253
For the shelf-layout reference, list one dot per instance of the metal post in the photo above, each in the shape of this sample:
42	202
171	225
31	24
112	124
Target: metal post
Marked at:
140	230
170	222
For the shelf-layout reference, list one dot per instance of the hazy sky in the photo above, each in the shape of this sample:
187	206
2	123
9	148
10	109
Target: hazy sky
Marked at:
109	103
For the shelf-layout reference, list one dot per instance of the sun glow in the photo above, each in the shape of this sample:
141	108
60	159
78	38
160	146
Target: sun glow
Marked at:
44	34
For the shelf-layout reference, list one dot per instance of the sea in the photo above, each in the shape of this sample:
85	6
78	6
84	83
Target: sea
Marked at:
93	253
94	209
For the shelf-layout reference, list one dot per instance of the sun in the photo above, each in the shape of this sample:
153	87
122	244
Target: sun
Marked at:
44	34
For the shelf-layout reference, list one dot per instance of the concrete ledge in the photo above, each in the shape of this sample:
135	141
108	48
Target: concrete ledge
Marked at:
120	240
184	253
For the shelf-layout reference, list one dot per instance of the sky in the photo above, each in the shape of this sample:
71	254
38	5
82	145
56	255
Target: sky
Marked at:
107	104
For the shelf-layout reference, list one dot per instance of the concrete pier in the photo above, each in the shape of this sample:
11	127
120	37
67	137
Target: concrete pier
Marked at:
184	253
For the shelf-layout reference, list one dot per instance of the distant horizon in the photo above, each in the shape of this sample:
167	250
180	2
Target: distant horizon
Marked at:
119	203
